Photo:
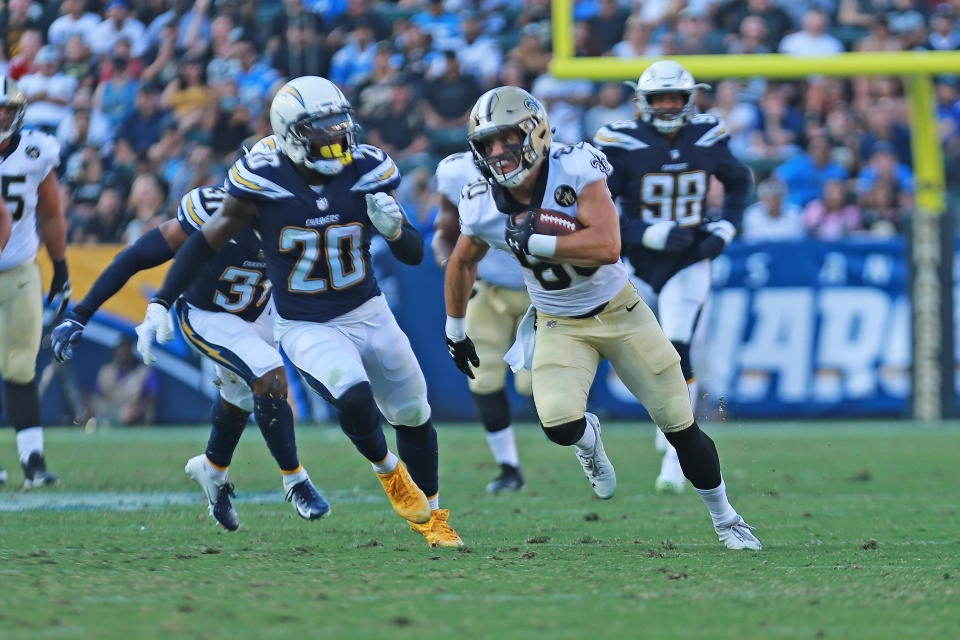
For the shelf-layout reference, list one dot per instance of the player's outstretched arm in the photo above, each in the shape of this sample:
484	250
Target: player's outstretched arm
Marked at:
150	250
446	231
457	286
52	226
599	243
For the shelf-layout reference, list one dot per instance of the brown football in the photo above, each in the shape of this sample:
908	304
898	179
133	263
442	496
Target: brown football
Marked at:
555	223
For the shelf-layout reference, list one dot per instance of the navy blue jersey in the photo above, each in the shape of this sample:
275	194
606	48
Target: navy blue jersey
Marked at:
658	179
235	280
316	239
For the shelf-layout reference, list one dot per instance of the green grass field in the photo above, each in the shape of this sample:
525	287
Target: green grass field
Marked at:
859	521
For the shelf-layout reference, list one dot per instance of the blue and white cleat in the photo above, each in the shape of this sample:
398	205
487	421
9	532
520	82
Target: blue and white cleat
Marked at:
218	494
307	501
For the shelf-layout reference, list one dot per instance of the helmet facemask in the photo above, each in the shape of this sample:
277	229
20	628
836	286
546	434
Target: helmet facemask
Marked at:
327	140
11	115
665	120
513	164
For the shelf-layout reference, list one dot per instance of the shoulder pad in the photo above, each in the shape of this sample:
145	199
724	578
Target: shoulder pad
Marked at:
250	176
42	146
711	129
197	206
619	135
582	162
378	172
454	172
265	145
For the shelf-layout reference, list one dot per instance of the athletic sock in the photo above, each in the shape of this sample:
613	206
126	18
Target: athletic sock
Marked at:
275	419
291	478
227	425
503	445
721	511
417	447
386	465
587	441
28	441
434	502
219	475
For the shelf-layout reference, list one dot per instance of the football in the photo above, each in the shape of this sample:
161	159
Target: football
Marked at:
555	223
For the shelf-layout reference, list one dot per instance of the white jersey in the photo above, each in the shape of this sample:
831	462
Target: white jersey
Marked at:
497	267
24	164
557	289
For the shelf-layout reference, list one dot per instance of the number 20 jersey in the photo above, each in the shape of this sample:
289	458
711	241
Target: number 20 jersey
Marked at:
554	288
316	239
235	280
28	159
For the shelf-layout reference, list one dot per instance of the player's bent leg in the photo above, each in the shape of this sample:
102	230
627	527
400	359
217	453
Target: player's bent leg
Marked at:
494	412
23	407
584	436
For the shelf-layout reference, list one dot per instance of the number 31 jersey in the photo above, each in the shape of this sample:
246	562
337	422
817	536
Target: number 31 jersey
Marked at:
235	280
554	288
316	239
28	159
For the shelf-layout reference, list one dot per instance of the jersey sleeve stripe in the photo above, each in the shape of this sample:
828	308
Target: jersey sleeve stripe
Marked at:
606	137
385	172
192	210
716	133
246	180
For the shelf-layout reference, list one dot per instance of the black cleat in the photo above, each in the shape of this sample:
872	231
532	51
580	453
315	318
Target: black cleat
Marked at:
307	501
510	479
222	508
35	473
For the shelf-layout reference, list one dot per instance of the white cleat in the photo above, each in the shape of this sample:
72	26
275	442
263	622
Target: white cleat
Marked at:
671	478
218	495
596	465
738	535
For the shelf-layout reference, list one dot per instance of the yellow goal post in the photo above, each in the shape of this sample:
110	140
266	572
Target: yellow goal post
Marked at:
931	237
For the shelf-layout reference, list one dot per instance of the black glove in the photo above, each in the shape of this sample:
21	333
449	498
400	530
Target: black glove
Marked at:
679	239
65	335
667	236
464	354
710	247
518	234
60	286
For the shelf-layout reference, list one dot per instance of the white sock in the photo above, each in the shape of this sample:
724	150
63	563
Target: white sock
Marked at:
434	502
670	463
503	445
694	398
386	465
588	440
290	479
716	500
219	475
28	441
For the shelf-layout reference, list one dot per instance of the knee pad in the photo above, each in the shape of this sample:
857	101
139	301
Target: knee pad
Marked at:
415	411
357	410
567	433
23	404
235	391
683	348
493	410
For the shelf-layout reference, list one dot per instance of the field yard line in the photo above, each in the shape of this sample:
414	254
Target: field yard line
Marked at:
119	501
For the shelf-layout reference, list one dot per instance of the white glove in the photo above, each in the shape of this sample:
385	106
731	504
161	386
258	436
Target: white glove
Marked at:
385	213
722	229
156	324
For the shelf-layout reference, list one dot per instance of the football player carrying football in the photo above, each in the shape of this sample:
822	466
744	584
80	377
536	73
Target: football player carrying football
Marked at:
28	160
228	317
586	308
496	307
662	164
315	196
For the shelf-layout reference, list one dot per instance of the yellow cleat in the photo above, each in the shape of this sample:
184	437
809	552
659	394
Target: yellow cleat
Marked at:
405	496
437	531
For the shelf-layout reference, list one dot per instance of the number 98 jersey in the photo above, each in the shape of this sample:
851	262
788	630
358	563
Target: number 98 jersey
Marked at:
316	238
235	280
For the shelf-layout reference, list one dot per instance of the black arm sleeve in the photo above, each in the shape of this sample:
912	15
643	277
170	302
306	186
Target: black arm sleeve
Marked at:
190	261
408	248
737	180
147	252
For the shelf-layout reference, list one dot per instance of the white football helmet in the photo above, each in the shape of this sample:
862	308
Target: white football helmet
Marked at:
503	109
313	123
665	76
11	96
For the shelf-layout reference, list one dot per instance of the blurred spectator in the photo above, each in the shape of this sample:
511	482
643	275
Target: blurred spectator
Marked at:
831	216
479	55
606	26
401	131
200	170
531	53
127	390
48	92
106	224
772	217
752	37
24	52
446	102
691	33
780	127
443	26
19	17
76	61
882	126
223	34
74	22
612	104
812	40
565	101
188	95
884	210
359	11
83	127
943	35
256	80
907	22
141	128
302	52
884	166
805	174
119	23
862	13
373	96
636	40
739	115
729	15
116	97
880	38
294	11
353	63
146	208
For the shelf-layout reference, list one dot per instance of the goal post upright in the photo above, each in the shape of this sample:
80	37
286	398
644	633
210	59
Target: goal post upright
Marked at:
931	236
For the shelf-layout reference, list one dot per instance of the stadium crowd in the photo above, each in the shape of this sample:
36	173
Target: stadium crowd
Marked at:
153	98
